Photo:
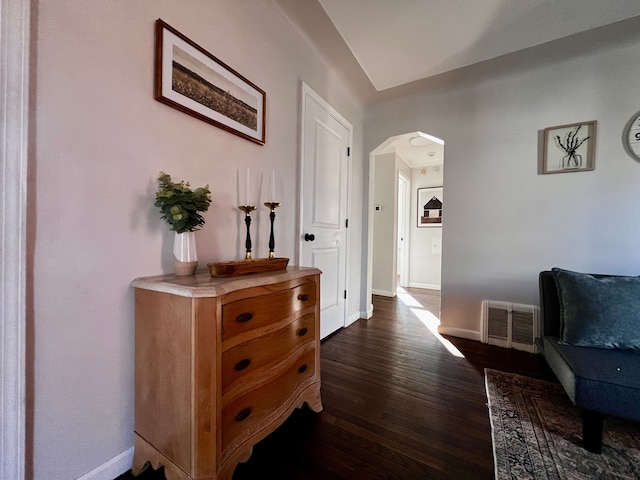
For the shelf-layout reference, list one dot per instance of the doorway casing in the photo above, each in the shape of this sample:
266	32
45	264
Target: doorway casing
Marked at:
404	211
383	147
15	25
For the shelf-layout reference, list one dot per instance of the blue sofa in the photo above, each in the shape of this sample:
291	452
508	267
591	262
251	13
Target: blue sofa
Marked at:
600	372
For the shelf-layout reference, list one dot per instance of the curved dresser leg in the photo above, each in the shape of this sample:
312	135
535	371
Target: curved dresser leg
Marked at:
313	399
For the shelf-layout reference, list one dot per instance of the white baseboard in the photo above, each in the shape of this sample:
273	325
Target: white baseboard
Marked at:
428	286
368	313
460	332
112	468
352	318
384	293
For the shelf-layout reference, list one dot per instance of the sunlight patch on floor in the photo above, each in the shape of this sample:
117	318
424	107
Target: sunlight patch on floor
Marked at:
428	319
431	322
407	299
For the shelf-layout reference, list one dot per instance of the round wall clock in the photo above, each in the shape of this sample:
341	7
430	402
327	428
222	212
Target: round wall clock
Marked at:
631	137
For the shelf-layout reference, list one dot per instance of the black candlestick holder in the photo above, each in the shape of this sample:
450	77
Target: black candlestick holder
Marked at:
272	216
247	209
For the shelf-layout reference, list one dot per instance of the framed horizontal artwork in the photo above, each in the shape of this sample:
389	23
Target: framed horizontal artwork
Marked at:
430	207
569	148
192	80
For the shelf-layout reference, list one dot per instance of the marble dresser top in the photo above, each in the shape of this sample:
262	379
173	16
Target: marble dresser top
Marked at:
202	284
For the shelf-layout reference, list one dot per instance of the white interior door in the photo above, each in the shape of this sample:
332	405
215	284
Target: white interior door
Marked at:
326	139
403	204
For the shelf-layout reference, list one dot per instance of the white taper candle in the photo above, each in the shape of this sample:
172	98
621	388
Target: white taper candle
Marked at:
273	186
246	198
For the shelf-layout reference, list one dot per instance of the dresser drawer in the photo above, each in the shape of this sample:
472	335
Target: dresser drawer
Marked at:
247	314
253	411
250	357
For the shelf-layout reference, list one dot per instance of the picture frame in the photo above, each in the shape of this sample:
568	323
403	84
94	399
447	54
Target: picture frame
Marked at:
569	148
192	80
429	212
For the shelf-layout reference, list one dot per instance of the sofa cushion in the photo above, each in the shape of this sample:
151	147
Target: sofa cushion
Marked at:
601	380
602	311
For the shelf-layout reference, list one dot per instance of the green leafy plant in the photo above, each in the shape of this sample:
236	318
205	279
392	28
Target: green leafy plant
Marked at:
180	205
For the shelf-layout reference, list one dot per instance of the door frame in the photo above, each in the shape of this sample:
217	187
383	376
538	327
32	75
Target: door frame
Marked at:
406	201
372	174
307	92
15	16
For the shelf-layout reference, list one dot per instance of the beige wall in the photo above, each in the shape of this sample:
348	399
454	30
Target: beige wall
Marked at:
99	140
385	222
384	225
504	223
426	268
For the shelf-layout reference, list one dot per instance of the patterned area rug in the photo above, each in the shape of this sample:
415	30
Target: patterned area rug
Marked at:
537	434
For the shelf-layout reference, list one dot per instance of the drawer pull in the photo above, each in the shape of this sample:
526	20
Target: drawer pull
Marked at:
302	332
244	413
244	317
303	297
302	369
242	364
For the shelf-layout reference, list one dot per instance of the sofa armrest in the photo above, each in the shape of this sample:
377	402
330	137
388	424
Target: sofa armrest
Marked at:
549	304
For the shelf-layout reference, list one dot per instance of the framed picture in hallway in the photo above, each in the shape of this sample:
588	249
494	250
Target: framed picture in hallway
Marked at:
430	207
190	79
569	148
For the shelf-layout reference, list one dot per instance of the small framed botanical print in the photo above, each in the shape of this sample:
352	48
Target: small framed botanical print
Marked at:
569	148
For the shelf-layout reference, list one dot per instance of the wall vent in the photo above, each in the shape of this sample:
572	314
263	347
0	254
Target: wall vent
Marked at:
510	325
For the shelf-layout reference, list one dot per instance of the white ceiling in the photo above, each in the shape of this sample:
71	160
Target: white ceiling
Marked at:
377	45
401	41
417	149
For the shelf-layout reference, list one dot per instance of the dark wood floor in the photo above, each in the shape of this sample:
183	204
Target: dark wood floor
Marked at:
397	404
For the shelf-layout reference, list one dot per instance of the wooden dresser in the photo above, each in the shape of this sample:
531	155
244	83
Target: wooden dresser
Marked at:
220	363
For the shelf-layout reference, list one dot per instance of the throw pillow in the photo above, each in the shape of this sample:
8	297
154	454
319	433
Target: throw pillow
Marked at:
599	310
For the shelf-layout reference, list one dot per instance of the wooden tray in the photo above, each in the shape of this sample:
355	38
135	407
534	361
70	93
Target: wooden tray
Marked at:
236	268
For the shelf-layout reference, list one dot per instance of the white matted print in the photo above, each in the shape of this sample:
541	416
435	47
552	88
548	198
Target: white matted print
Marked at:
569	148
192	80
430	203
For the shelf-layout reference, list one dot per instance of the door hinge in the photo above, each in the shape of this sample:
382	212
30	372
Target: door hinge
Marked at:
346	223
348	151
345	294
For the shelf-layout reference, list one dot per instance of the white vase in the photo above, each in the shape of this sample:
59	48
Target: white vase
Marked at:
185	255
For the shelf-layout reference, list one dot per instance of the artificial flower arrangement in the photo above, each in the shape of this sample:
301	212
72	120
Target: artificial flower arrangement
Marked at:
180	205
